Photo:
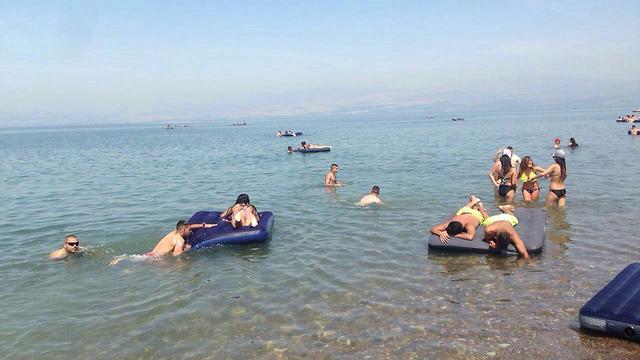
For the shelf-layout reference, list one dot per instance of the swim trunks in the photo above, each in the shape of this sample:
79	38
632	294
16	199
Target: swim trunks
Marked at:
501	217
473	212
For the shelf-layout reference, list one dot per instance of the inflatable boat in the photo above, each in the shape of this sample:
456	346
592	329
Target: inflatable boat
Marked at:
224	233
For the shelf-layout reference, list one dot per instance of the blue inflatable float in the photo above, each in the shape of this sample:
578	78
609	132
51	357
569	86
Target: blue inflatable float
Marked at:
224	233
615	310
314	150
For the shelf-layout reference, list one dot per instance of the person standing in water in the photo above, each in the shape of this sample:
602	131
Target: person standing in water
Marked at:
529	177
557	173
503	177
330	179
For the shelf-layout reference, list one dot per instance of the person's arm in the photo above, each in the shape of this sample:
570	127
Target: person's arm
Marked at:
179	248
58	254
200	226
469	234
255	213
518	243
491	172
440	230
546	173
226	213
514	178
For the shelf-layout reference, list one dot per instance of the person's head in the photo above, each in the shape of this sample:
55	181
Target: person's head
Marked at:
303	143
558	156
289	149
334	168
557	141
502	241
633	126
71	243
454	228
505	162
375	189
527	163
510	148
243	199
183	228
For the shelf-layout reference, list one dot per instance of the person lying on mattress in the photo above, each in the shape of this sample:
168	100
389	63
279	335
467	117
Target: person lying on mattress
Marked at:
242	213
175	242
499	231
463	225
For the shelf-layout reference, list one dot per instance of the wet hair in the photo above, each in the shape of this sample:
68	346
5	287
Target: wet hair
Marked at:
502	241
181	225
505	161
303	143
563	167
375	189
243	199
454	228
289	148
573	142
332	165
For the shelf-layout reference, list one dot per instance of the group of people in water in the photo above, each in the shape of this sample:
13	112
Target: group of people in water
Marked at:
506	171
241	214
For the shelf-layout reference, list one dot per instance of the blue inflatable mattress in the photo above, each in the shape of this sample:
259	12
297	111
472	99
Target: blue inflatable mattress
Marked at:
224	233
314	150
615	310
531	228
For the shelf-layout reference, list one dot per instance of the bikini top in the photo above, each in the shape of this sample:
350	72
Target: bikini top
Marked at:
528	178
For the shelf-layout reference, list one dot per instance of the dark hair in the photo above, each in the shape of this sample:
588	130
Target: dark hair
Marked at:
502	241
70	236
505	161
573	142
181	225
454	228
563	167
375	189
510	148
243	199
332	165
303	143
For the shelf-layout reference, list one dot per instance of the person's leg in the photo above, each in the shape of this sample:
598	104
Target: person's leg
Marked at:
480	207
526	196
551	199
535	195
561	201
507	209
510	196
472	201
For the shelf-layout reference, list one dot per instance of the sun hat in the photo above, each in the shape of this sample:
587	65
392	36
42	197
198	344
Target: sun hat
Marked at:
559	154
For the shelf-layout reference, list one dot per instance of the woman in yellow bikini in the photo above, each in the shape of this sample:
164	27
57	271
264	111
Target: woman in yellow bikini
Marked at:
529	177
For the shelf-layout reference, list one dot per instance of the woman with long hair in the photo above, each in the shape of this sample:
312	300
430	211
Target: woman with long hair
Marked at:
529	176
557	173
242	213
503	177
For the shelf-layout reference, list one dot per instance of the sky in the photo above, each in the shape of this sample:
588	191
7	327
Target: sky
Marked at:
134	61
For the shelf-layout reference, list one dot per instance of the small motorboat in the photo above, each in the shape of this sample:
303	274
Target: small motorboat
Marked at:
457	119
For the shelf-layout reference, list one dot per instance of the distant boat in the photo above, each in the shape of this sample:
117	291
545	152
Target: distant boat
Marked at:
429	116
169	127
457	119
636	110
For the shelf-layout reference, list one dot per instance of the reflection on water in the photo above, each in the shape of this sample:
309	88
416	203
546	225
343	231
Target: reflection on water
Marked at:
336	280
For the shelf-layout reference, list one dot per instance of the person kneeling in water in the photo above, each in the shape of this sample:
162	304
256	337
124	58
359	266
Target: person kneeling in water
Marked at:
499	231
175	242
463	225
242	213
371	198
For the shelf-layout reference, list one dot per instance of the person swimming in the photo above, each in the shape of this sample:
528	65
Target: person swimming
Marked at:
556	143
371	198
573	143
242	213
499	231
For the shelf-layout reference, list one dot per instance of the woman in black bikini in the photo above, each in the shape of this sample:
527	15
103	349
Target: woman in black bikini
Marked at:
558	173
503	177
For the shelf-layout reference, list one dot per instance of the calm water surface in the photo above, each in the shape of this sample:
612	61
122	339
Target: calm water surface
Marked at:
335	281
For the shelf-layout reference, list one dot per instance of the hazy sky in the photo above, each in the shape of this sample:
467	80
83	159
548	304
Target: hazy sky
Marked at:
83	61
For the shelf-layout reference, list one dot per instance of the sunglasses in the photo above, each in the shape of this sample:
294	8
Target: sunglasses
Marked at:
73	243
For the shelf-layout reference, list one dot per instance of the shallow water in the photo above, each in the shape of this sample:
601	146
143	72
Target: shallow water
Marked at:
336	280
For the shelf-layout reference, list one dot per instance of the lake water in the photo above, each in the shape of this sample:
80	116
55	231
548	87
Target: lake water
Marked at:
335	281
